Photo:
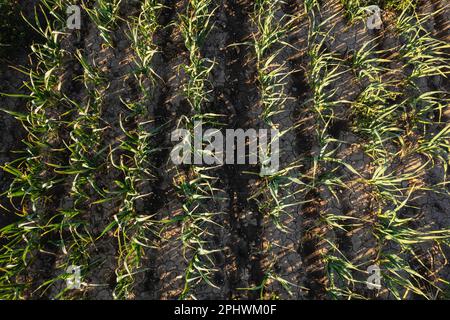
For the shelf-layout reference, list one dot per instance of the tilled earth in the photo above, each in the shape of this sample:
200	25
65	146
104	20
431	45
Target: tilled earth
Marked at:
251	246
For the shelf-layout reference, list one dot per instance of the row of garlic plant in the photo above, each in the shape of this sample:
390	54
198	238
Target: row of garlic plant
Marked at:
35	177
274	195
323	71
424	135
87	157
196	185
135	230
387	120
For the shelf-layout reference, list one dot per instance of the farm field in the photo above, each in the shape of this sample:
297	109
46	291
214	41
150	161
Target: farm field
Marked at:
93	93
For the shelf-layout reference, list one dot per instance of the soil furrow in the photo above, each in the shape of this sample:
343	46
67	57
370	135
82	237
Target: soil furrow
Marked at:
170	262
240	97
